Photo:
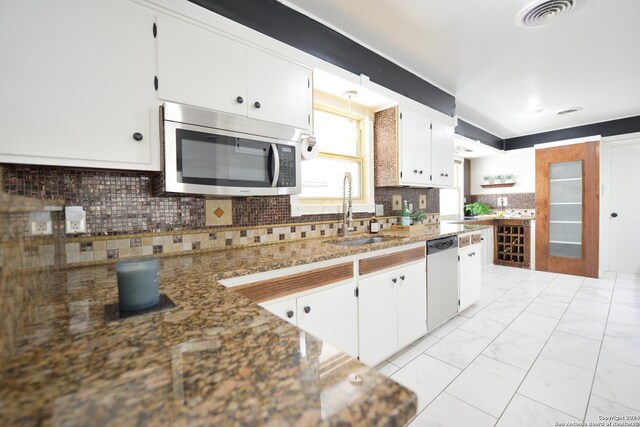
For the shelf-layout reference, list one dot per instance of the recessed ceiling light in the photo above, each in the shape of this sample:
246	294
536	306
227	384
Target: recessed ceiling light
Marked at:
542	12
568	111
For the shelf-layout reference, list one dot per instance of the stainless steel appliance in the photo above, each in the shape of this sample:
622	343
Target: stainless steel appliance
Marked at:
206	152
442	280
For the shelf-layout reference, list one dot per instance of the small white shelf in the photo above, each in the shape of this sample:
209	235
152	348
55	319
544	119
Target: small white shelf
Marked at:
565	203
565	243
565	179
566	222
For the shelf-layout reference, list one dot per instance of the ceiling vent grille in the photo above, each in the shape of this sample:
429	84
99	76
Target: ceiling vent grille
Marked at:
541	13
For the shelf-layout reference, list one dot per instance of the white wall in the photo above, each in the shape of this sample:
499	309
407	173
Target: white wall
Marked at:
520	163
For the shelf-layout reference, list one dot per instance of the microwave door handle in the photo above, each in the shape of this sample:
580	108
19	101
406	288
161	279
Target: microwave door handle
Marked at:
276	164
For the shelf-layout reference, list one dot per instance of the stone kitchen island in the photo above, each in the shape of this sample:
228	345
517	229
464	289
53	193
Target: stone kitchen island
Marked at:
215	359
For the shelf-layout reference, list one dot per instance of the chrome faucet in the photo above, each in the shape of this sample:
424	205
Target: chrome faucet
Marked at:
347	208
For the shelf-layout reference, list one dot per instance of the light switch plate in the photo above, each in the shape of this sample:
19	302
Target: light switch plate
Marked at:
422	201
396	202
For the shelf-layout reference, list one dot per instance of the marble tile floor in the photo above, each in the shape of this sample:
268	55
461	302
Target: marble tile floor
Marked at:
537	349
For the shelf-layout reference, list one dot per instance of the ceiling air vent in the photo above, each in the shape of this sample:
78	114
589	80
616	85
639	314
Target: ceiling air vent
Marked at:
568	111
542	12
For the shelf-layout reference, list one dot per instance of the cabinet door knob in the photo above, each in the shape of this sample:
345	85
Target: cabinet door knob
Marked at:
394	280
290	314
614	215
256	104
446	174
307	309
137	136
240	100
402	277
420	172
441	174
415	171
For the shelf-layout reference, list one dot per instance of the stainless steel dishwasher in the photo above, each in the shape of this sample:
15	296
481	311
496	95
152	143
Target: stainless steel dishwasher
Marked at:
442	280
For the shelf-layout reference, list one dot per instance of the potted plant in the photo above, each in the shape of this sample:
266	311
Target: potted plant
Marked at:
499	179
477	209
508	178
418	217
486	179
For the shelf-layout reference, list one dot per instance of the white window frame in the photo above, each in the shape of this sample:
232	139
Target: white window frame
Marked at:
314	206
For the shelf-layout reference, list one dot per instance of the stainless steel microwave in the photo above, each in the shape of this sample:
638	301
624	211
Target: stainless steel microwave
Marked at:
207	152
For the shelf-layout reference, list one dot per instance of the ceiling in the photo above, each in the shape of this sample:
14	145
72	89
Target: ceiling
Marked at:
500	71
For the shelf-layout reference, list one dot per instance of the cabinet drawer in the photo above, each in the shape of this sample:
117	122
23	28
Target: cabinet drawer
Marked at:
373	264
476	238
464	241
265	290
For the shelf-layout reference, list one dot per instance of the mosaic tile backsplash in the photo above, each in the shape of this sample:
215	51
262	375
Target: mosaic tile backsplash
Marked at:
515	200
125	219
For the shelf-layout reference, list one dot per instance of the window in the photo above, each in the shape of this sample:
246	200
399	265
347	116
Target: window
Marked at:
451	198
340	140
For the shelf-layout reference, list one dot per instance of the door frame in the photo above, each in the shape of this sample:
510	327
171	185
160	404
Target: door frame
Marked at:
606	144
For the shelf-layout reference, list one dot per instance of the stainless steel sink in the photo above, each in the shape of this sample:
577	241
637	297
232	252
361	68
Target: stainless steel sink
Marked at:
362	241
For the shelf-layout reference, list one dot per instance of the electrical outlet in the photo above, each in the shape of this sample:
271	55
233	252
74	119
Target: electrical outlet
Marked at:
396	202
422	201
502	202
410	207
74	220
40	223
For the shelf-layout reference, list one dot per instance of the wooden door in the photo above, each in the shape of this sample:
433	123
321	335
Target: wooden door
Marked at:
567	205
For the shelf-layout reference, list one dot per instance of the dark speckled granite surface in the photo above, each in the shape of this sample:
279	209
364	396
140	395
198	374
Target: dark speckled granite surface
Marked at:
218	359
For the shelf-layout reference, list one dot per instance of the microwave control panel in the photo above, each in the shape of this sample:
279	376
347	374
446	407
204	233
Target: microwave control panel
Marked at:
287	176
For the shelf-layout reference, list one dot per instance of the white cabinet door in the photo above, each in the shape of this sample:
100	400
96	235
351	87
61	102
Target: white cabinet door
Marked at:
442	154
77	84
332	315
198	67
414	146
487	246
278	91
285	310
470	269
378	317
412	303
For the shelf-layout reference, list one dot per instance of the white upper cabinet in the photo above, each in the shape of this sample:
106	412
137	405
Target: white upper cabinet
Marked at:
415	153
278	91
204	69
442	154
200	68
77	84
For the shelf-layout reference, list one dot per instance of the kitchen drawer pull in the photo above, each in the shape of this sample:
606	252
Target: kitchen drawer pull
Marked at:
307	309
290	314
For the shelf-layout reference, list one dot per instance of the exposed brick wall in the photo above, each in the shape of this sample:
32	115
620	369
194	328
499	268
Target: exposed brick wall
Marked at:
385	133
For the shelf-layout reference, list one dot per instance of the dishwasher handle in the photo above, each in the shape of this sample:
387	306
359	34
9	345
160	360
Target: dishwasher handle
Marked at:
440	245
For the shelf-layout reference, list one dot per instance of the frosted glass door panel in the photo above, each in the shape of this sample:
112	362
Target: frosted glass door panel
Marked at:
565	191
565	232
565	212
565	170
565	250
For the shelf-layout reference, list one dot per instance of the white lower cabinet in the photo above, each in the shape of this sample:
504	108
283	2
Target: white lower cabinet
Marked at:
392	311
487	246
332	315
469	275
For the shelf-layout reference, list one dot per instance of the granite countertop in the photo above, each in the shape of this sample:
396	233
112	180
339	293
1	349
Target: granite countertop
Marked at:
217	359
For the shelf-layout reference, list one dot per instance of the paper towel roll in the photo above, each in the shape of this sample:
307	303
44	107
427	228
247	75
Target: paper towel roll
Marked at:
309	148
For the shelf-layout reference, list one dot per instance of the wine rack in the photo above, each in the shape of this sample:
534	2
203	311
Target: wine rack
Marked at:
512	244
